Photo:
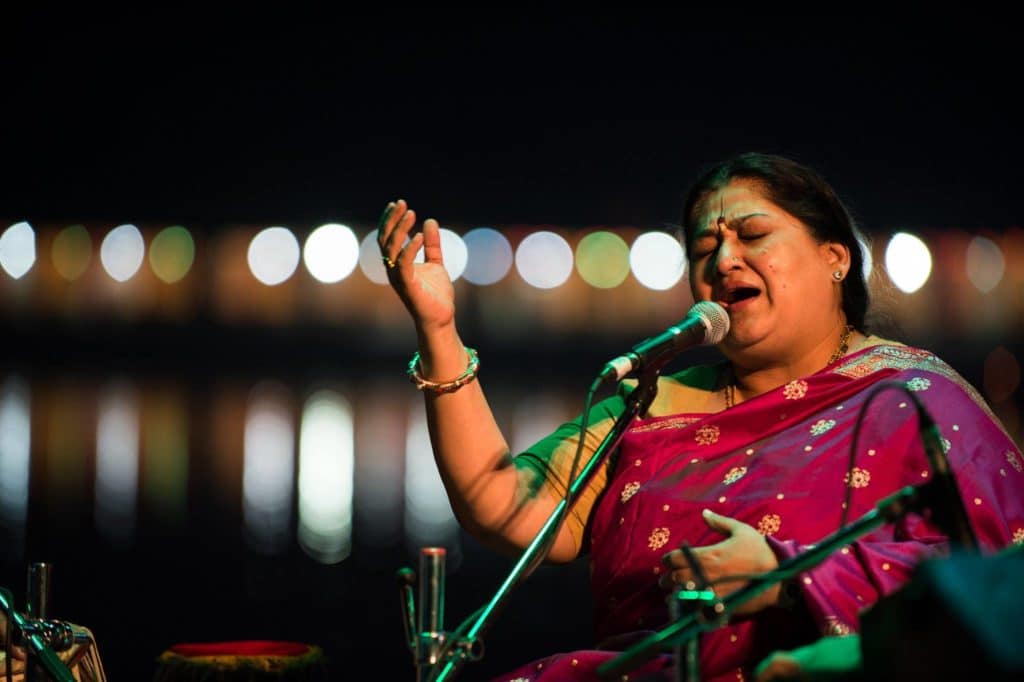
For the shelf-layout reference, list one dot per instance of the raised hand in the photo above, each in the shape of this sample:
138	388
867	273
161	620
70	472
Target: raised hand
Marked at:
425	288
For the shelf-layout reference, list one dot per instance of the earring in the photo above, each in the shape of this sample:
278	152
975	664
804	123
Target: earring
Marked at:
838	275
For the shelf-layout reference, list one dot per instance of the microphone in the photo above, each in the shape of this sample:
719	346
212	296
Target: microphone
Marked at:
945	501
406	579
431	607
705	324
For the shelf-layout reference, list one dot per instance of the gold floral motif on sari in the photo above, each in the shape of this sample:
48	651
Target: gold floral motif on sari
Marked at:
919	384
769	524
821	426
658	538
1014	461
735	474
795	389
858	478
707	435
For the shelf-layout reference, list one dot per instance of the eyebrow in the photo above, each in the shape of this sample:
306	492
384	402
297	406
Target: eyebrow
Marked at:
733	224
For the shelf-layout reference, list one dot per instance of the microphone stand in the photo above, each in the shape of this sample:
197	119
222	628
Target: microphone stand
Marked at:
34	641
710	617
458	648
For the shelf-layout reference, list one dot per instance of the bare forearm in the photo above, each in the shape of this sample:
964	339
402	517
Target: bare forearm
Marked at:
492	499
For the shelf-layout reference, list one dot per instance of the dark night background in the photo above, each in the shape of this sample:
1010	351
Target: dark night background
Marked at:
512	116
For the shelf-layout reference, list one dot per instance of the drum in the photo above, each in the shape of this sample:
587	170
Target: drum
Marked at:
242	661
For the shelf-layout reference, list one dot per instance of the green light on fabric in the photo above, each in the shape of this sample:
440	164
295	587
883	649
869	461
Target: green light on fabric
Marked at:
602	259
172	253
71	251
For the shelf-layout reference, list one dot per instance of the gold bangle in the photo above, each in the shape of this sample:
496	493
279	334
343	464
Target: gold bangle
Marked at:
443	386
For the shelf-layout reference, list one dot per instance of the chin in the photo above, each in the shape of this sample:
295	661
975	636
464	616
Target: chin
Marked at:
743	343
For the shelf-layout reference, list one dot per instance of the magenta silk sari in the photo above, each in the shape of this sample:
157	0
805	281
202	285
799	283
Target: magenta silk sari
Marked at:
780	463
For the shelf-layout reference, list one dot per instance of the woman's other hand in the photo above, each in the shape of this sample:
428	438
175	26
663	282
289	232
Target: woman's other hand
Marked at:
425	288
743	552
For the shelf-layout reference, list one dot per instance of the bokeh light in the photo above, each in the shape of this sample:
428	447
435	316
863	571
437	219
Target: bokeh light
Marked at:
544	260
122	252
117	461
172	253
71	252
331	253
15	452
489	256
18	249
165	453
273	255
908	262
657	260
429	519
985	264
268	470
369	260
326	456
602	259
453	251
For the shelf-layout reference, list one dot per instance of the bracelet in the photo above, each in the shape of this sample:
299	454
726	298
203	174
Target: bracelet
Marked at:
444	386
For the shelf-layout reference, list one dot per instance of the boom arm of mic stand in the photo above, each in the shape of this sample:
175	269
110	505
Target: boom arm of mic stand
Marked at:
636	403
34	642
887	509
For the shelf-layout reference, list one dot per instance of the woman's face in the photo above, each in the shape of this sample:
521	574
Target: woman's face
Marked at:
766	269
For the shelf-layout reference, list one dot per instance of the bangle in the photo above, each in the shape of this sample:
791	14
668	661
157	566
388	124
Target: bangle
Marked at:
444	386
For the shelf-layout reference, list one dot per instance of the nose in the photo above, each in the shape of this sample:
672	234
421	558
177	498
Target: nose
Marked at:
729	255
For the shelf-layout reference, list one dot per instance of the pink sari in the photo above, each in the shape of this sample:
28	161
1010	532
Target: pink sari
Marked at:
780	463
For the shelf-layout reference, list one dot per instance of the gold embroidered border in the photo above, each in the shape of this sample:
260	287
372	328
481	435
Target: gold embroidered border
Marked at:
670	423
904	357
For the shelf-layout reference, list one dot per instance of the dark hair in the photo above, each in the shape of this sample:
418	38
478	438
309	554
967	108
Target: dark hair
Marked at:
804	194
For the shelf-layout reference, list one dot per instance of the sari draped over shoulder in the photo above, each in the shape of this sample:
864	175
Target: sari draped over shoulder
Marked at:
781	463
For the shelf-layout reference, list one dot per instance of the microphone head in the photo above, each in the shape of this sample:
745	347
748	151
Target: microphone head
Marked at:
715	320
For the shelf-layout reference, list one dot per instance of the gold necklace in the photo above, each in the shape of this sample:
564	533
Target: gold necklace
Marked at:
840	351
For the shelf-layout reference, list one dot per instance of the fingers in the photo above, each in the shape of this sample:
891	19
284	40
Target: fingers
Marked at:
779	666
432	242
393	236
722	524
387	221
681	578
398	234
678	572
407	254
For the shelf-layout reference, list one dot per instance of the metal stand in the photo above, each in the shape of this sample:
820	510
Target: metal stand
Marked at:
34	639
451	650
40	576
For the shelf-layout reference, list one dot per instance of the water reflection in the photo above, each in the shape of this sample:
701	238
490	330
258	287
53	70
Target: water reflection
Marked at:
428	516
15	449
326	458
268	469
117	461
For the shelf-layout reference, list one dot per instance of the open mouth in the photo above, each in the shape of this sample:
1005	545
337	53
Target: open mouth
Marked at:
738	295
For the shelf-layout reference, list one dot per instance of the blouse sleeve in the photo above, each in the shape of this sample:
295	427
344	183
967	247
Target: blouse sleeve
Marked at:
552	457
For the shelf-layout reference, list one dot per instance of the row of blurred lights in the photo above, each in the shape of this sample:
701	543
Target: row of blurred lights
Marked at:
482	256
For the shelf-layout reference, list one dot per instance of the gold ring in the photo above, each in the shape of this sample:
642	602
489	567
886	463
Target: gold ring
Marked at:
390	264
